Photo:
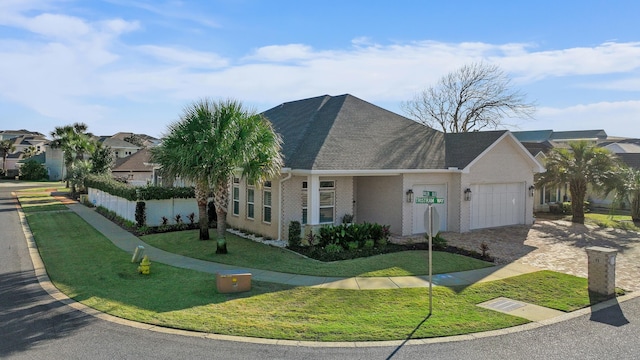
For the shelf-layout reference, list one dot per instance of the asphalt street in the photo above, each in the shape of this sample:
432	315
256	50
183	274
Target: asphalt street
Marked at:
35	326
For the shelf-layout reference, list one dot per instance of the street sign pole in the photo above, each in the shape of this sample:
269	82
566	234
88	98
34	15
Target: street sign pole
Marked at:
430	261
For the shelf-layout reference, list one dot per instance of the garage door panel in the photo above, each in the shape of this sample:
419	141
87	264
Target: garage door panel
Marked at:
497	205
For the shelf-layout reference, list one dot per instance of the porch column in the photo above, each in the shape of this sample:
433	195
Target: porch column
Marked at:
313	200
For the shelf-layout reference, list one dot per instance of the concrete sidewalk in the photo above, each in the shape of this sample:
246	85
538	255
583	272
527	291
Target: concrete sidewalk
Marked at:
128	242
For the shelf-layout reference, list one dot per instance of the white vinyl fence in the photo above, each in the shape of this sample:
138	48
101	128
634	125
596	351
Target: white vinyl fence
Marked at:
155	209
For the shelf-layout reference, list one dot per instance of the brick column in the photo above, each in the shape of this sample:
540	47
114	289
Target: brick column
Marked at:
602	270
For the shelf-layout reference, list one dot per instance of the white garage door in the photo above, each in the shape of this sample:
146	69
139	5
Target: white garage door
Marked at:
497	205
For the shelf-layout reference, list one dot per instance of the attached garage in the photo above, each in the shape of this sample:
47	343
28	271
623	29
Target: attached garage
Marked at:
495	205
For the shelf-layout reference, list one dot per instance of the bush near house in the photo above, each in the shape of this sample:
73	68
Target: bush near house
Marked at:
33	170
350	236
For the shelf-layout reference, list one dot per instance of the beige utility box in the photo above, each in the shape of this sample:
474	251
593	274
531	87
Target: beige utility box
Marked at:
233	281
602	270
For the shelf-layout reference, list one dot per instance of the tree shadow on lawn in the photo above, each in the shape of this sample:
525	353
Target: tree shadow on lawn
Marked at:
30	316
161	292
583	236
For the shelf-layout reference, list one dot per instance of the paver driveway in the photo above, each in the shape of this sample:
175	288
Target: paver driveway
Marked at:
557	245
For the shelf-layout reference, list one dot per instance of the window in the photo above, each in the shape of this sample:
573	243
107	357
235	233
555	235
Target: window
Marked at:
304	207
236	196
250	203
266	202
327	202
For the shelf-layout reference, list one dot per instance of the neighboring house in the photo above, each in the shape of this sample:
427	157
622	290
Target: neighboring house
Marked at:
539	142
135	168
344	155
10	134
120	148
146	140
21	140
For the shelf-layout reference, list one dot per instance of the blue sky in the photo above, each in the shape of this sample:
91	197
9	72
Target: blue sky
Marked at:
132	65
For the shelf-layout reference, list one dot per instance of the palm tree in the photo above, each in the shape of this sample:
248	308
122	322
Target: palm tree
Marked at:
211	140
628	188
30	152
6	147
75	142
580	165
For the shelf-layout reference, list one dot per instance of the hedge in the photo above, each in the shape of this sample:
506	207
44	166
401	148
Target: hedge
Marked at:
128	192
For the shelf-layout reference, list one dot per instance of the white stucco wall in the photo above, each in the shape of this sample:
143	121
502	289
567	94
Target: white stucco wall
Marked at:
450	180
380	199
503	163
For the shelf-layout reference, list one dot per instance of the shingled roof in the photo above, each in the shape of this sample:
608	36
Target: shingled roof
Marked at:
463	148
632	160
347	133
138	161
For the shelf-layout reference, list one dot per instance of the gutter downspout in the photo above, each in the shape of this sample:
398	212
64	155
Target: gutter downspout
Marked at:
280	207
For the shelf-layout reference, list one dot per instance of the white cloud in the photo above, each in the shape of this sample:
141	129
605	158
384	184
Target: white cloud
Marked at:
76	67
185	57
616	118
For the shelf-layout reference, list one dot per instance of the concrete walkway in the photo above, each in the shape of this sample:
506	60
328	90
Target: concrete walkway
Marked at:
128	242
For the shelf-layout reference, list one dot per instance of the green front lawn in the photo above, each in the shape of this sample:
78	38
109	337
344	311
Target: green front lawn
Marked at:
87	267
40	199
611	221
251	254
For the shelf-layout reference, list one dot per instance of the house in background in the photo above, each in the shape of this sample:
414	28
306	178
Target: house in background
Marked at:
134	169
26	143
344	156
539	142
121	149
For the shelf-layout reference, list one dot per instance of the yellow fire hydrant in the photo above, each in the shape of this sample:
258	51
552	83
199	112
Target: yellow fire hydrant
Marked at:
145	266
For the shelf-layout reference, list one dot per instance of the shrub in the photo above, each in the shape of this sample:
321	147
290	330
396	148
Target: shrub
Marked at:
352	245
566	207
123	190
437	242
294	233
32	170
192	218
354	233
333	248
141	213
369	244
347	219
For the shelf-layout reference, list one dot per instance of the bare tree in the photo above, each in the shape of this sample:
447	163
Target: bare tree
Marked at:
472	98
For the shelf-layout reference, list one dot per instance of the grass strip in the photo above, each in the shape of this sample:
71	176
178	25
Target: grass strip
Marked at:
33	200
87	267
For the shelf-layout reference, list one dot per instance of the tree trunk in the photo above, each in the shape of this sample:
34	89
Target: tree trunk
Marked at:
201	192
635	207
578	189
221	201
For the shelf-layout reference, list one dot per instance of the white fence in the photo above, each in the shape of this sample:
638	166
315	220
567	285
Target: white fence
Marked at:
155	209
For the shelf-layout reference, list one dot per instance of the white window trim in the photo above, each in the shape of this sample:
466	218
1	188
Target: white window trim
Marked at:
252	203
265	206
236	186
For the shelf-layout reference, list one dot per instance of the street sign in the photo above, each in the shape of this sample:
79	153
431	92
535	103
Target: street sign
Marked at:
429	200
435	222
429	193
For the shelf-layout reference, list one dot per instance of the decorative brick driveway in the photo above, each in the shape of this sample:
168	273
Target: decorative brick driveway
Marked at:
557	245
